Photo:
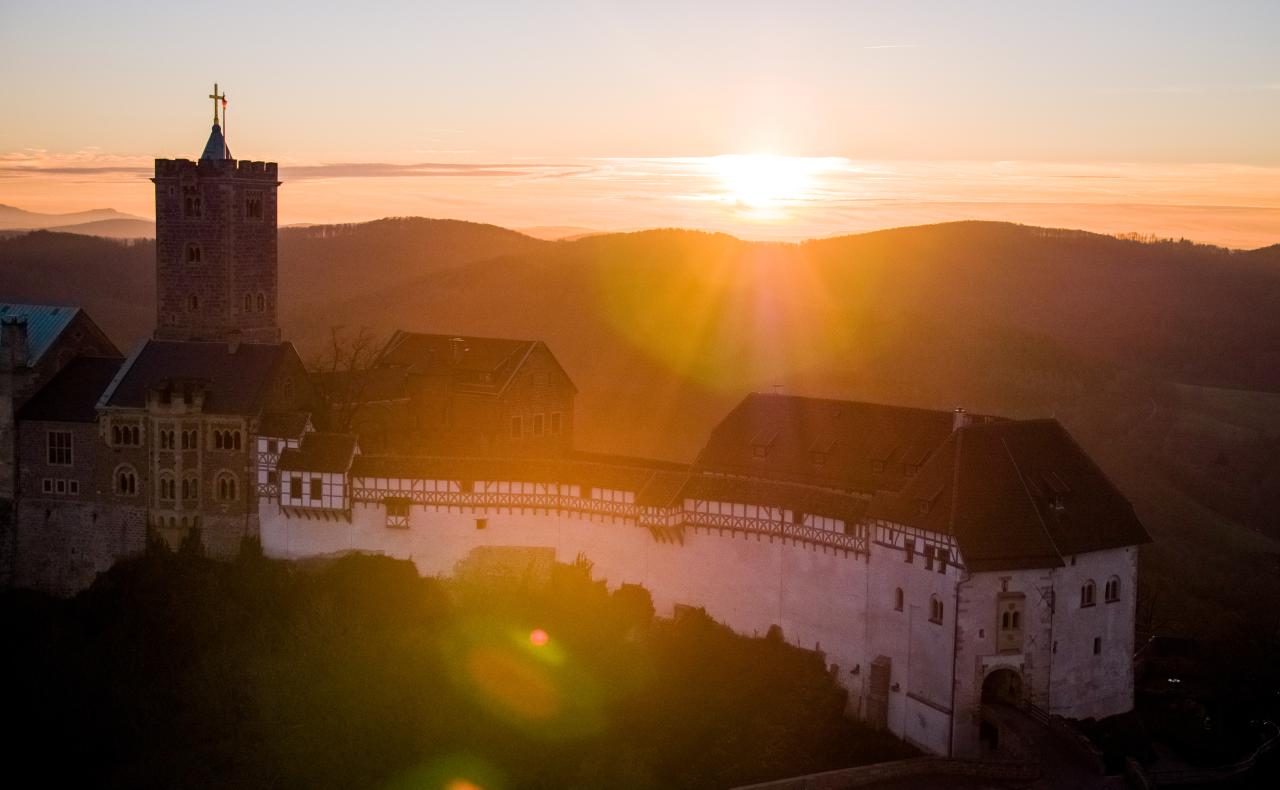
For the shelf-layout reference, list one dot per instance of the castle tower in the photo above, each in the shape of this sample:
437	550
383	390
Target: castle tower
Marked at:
216	270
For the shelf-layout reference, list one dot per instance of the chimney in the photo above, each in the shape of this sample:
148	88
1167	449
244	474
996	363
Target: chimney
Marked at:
959	418
13	342
456	348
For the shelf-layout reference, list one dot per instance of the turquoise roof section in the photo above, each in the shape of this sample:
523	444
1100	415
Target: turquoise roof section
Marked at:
216	148
44	324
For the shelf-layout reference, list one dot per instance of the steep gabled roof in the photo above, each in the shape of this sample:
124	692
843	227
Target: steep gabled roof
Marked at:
72	394
321	452
844	445
284	424
1016	494
235	379
45	323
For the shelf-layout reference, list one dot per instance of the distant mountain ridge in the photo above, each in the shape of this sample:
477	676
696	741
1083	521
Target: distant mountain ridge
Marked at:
94	222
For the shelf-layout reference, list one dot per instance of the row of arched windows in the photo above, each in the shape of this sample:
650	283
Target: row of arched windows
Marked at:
226	440
251	302
1089	592
126	435
125	483
190	440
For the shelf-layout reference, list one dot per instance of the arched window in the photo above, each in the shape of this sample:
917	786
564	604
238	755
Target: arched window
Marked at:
193	303
217	440
193	252
1017	619
226	487
262	302
186	444
167	488
1088	594
115	434
1005	620
897	599
935	610
125	480
135	436
1112	591
191	488
235	439
248	302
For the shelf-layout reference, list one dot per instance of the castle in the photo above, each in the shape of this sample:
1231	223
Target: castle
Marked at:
939	560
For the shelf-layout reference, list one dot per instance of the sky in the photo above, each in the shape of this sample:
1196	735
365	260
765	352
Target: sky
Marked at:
768	120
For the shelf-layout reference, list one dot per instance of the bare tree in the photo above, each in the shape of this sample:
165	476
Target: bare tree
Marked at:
343	372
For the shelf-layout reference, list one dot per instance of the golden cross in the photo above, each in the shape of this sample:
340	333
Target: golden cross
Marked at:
216	98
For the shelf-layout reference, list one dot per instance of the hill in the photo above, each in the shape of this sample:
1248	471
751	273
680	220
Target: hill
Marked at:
14	218
1136	346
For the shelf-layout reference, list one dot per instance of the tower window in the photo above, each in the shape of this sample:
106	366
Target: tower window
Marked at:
1097	645
226	487
898	599
193	303
125	481
262	302
253	205
193	252
191	208
248	303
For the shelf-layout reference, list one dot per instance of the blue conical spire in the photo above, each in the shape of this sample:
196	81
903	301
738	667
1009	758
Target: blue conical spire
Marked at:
216	148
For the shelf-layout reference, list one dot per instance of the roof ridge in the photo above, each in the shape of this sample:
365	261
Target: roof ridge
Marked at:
129	361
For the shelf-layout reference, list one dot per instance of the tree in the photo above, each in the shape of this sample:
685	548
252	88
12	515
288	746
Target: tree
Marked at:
342	373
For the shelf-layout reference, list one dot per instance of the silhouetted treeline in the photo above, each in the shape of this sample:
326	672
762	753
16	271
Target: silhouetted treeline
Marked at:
175	671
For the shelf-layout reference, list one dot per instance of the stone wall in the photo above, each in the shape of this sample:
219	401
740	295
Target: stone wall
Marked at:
61	546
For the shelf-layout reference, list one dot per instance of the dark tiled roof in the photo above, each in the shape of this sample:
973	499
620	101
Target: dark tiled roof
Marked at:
72	395
283	424
845	445
1015	495
753	491
234	381
321	452
480	364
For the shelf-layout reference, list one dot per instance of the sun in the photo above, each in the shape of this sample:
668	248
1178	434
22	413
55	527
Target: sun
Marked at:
763	182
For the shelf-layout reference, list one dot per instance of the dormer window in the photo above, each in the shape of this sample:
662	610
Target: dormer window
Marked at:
760	444
818	459
193	253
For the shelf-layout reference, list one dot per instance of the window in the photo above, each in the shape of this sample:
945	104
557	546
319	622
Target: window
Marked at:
253	205
911	549
928	558
191	208
262	302
1097	645
191	488
226	487
193	252
1088	593
73	486
248	303
898	599
60	448
818	459
942	556
759	450
935	610
481	523
537	425
46	485
295	487
317	489
397	512
217	440
125	481
556	418
273	446
60	486
193	303
1112	591
115	434
516	427
168	488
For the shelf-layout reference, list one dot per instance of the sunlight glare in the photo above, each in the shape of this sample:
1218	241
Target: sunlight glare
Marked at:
761	182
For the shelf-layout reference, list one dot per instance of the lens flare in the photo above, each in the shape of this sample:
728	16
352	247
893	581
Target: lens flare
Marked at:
538	637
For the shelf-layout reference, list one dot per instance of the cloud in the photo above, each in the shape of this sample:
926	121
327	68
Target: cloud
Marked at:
430	169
